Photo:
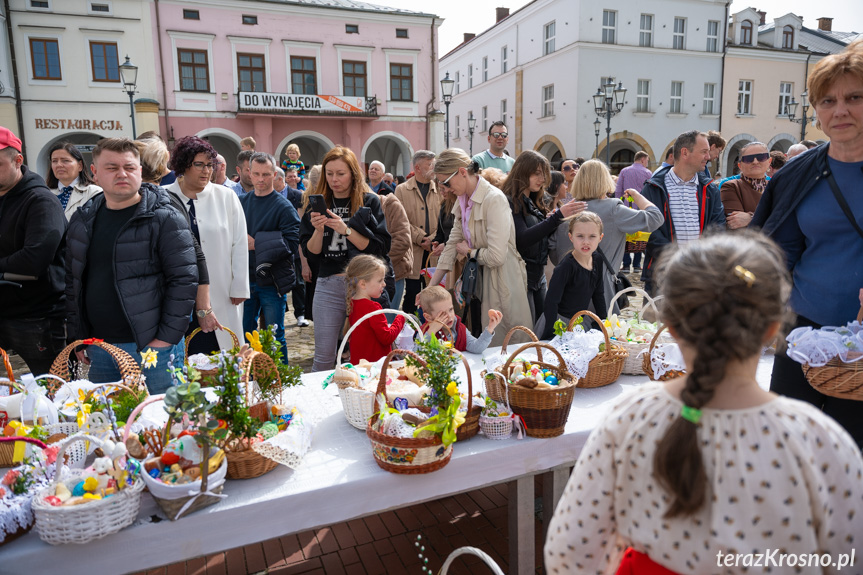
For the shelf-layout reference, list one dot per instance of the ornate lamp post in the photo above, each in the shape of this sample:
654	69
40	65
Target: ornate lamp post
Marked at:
129	73
596	126
791	110
446	87
607	102
471	125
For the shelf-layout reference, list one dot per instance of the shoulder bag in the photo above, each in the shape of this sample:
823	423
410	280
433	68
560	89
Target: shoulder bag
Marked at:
619	281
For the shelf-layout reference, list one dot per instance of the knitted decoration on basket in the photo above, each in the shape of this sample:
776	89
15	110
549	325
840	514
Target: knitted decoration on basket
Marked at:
578	348
816	347
666	357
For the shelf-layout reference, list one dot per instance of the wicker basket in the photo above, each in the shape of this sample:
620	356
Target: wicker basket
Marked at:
130	371
636	243
544	411
9	382
89	521
175	501
409	456
207	374
648	366
838	378
358	404
632	365
607	366
7	448
18	501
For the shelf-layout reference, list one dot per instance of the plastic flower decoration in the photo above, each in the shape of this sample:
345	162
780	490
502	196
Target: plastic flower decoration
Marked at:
149	358
452	389
254	340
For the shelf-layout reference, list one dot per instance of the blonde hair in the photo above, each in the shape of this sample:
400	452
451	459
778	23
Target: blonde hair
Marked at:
248	141
154	159
453	159
431	295
362	267
294	148
592	182
584	217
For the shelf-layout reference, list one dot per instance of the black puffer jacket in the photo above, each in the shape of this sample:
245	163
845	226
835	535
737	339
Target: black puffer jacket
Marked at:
532	232
154	268
274	262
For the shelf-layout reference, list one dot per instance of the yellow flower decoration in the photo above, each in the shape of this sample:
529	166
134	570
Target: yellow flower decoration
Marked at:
457	420
447	344
149	358
254	340
452	389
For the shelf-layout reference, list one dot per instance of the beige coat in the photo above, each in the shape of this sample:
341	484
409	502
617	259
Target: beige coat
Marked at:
80	196
401	254
409	195
504	279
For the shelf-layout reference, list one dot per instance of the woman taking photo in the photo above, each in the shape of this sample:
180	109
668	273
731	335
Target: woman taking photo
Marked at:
219	224
69	178
740	197
483	229
353	224
534	224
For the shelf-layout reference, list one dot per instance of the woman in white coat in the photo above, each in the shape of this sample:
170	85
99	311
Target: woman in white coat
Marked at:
69	178
220	226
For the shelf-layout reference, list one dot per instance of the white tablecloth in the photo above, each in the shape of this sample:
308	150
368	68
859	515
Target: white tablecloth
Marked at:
337	481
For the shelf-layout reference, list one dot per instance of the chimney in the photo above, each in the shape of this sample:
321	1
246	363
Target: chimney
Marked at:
468	36
825	24
500	14
763	15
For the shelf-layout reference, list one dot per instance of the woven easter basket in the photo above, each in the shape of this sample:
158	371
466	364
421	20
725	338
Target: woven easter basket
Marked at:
606	367
9	382
130	371
28	523
88	521
633	365
544	410
636	243
838	378
648	366
410	456
208	374
358	404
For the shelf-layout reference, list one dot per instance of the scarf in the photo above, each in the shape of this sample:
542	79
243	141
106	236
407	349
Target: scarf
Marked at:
758	184
466	205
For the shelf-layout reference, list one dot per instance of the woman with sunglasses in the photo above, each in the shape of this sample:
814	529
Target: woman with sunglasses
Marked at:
69	178
483	229
812	208
740	196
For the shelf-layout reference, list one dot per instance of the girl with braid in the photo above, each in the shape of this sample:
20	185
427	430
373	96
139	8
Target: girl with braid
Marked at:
709	473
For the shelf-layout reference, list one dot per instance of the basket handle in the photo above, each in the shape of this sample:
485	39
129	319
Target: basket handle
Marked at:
425	326
66	443
382	380
860	314
528	345
526	330
197	330
129	369
648	301
655	339
13	387
12	438
407	316
135	412
595	318
250	365
469	382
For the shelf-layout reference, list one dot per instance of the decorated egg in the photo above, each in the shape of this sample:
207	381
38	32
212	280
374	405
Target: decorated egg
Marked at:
551	380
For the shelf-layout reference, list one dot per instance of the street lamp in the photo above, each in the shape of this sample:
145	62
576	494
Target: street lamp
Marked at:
791	110
471	124
607	102
446	87
129	73
596	126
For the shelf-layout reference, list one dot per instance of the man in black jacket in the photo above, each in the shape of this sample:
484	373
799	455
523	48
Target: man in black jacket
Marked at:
131	271
32	230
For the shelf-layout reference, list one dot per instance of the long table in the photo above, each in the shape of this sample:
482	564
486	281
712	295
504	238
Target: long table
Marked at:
337	481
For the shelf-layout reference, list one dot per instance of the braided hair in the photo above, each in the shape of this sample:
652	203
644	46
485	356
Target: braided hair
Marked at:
723	314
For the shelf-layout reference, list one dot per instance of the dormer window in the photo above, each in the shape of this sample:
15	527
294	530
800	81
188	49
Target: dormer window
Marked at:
746	32
788	37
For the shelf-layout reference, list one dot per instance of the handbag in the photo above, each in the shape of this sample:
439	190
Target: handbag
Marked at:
468	288
619	280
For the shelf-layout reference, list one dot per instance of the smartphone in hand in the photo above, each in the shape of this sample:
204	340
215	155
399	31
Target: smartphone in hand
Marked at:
316	201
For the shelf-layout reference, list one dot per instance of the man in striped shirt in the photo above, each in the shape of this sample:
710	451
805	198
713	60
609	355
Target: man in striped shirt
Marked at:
687	198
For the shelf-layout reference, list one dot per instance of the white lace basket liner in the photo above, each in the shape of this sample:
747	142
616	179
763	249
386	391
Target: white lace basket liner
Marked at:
497	427
358	404
664	358
88	521
16	511
632	364
289	446
816	347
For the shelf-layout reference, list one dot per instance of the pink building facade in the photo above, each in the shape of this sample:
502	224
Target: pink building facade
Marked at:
337	72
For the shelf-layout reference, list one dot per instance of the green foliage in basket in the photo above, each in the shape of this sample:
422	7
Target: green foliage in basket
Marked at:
187	398
290	375
123	403
20	479
38	432
439	375
231	407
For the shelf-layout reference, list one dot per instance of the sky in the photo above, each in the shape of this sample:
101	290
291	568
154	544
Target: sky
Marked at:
475	16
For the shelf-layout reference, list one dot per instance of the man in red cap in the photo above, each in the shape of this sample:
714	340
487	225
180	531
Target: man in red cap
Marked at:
32	248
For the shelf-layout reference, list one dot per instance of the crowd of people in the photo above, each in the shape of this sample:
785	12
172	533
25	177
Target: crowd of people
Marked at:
147	246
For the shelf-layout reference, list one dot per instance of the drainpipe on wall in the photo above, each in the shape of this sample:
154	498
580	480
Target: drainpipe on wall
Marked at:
18	111
722	80
431	102
162	70
806	87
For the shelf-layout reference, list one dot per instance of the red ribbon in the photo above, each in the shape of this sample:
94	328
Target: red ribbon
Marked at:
92	340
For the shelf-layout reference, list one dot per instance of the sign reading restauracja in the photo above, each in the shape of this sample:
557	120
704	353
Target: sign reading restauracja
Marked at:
78	124
273	102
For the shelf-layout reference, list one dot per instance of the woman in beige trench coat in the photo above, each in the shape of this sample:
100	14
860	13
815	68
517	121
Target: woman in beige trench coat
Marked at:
488	235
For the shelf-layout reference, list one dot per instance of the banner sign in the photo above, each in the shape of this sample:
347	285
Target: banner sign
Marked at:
312	103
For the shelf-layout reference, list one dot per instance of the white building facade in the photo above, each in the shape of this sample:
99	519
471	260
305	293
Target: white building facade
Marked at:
539	68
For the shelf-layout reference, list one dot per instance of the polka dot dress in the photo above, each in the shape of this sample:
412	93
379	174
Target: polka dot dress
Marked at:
780	476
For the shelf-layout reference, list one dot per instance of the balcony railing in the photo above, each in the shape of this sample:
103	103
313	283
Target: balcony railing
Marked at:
306	104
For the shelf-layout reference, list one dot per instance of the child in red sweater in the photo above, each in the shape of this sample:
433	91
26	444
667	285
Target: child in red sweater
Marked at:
373	339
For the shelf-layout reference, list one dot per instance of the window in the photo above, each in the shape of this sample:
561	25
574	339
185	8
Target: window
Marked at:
485	68
45	54
352	29
401	32
642	97
402	82
746	33
458	82
788	37
354	78
503	110
548	38
251	72
609	26
645	33
548	101
250	20
100	8
194	70
304	78
191	15
709	108
679	34
503	55
103	57
484	123
744	97
676	98
713	35
457	122
469	76
785	90
40	4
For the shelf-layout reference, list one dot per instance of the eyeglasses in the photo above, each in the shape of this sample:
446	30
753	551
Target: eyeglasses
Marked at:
499	135
445	183
200	166
755	158
570	168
